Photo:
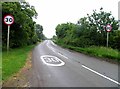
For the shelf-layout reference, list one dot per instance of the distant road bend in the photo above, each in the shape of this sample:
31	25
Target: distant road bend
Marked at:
54	66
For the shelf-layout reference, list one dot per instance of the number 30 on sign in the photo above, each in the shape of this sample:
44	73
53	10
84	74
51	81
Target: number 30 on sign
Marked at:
8	19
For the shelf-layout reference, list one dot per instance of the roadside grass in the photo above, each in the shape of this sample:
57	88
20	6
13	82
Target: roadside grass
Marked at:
14	60
101	52
0	67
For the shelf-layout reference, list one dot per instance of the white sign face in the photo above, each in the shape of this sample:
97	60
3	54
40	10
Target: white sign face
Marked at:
108	28
51	60
8	19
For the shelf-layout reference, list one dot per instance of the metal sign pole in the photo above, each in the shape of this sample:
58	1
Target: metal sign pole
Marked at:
108	29
107	38
8	20
8	38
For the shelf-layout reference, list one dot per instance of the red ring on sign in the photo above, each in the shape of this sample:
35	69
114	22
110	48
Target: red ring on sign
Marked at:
12	19
109	29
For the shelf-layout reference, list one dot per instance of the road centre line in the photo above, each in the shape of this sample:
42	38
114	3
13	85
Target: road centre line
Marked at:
51	48
53	43
110	79
100	74
63	55
57	53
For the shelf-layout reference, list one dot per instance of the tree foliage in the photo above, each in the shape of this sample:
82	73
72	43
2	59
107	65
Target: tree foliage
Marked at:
90	30
39	32
22	32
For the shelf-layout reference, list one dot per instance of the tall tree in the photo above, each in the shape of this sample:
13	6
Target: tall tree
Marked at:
90	30
22	32
39	31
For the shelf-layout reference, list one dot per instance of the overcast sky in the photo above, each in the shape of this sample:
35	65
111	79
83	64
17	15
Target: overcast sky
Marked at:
54	12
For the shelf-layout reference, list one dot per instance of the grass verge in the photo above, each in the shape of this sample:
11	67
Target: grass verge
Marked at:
14	61
102	52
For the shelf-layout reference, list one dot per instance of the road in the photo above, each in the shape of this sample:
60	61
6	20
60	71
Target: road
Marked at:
54	66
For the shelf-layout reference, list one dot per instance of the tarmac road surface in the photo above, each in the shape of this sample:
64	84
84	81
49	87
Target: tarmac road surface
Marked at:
54	66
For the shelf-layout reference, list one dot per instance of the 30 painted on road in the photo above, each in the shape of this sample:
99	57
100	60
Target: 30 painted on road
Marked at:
52	60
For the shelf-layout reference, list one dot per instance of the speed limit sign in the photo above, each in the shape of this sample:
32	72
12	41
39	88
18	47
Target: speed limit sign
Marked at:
8	19
108	28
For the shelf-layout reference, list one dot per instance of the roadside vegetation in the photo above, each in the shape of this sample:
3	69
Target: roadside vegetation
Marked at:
108	54
14	60
24	31
24	34
89	34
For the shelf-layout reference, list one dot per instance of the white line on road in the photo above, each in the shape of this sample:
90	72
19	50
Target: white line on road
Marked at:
53	43
63	55
50	48
100	74
55	51
47	44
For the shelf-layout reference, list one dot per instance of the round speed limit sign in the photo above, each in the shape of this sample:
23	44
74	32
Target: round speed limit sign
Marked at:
108	28
8	19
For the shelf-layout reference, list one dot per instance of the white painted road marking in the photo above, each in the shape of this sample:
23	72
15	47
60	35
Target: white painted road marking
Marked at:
50	48
100	74
55	52
63	55
52	60
53	43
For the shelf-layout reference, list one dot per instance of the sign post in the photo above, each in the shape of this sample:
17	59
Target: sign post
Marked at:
107	38
108	29
8	37
8	20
